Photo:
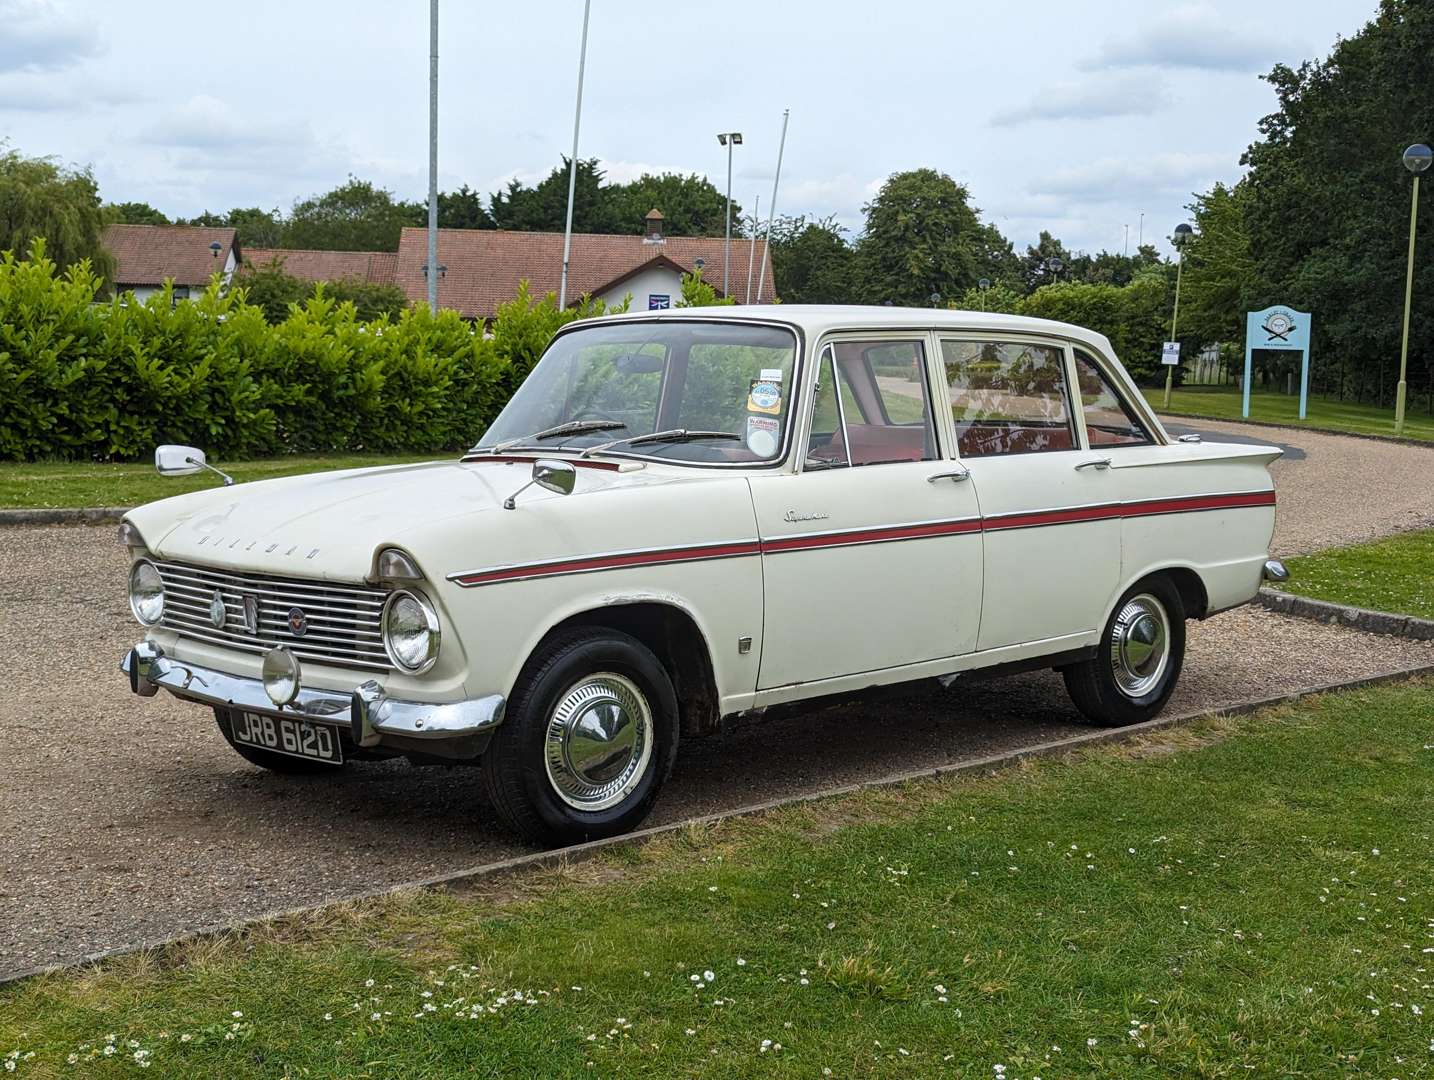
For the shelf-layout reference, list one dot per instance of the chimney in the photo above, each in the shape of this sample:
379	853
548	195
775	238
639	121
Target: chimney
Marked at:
652	233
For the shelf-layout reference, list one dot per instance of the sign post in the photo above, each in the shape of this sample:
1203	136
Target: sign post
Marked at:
1278	327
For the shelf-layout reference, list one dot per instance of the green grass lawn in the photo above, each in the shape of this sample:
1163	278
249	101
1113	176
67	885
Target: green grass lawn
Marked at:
92	484
1223	403
1252	897
1395	574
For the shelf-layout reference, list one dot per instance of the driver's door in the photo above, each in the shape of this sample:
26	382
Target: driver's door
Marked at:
871	552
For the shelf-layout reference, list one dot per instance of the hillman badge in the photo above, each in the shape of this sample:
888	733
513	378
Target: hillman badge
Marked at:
251	614
1280	325
298	622
218	613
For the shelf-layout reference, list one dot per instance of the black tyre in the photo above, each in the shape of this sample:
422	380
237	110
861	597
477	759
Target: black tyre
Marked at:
588	739
268	759
1137	661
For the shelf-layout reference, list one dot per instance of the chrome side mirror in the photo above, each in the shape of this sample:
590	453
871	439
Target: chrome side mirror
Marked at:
170	460
556	476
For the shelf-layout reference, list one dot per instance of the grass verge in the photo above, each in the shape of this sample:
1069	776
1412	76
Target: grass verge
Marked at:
47	486
1224	403
1260	902
1392	574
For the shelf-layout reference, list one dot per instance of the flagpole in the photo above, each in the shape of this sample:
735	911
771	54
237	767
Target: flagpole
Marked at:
772	210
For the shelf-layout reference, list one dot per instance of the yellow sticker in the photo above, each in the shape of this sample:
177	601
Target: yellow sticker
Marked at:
765	397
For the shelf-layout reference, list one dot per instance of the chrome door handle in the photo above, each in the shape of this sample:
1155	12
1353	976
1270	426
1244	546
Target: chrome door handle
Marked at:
955	477
1096	463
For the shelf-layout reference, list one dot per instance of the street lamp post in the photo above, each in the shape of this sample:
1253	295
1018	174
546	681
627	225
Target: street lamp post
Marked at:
729	139
1183	233
1416	159
935	298
1055	266
433	151
983	285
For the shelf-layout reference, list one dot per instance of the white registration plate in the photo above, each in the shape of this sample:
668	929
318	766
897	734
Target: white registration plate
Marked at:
298	738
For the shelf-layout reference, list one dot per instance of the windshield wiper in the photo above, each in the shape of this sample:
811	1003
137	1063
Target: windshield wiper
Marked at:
572	427
670	435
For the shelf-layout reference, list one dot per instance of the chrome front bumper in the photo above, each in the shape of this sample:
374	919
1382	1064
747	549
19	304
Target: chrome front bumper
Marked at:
371	716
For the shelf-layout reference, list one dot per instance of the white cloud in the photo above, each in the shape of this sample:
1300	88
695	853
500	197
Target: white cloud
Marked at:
207	123
1113	179
1093	97
1196	36
32	92
39	35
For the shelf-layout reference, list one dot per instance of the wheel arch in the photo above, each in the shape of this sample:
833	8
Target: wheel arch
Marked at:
1194	596
674	636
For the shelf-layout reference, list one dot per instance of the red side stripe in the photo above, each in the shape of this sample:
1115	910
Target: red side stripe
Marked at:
611	562
1071	515
871	536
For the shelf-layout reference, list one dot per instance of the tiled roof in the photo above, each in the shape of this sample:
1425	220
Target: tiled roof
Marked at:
375	267
152	254
486	265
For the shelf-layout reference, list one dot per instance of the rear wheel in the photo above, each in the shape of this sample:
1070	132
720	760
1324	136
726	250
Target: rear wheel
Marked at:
589	738
1137	661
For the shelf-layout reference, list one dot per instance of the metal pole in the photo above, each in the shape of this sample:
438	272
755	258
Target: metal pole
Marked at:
1140	235
1174	317
573	162
772	210
432	271
752	244
727	236
1408	300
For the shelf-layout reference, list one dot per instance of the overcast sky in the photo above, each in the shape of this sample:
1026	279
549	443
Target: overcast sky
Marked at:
1072	117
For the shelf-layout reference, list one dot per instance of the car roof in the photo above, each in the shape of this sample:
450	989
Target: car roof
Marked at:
817	319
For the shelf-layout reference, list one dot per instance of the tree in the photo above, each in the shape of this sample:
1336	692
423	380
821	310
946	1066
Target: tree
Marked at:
922	237
996	258
40	199
355	216
133	213
461	209
1328	209
690	205
1109	268
1219	276
271	288
543	208
1035	268
253	227
812	263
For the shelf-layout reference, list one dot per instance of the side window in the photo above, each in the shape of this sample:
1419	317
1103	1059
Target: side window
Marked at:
1008	397
1109	421
872	405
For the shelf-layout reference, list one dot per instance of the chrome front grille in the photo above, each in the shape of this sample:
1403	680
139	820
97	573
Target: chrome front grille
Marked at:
341	621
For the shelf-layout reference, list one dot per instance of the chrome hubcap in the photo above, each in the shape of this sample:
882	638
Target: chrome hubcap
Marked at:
1140	645
599	742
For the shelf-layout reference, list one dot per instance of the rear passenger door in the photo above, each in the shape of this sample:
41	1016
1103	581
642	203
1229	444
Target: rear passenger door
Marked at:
1050	514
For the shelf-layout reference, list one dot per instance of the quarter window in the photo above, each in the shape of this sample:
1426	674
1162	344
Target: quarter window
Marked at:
1109	420
872	405
1008	397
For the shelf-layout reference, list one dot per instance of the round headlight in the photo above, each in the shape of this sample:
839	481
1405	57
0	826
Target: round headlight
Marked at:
146	592
280	674
410	631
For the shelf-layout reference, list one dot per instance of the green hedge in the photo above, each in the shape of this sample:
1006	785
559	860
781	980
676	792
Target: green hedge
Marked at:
110	381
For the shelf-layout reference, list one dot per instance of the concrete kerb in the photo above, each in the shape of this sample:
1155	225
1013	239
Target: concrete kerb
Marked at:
1400	440
581	852
85	515
1373	622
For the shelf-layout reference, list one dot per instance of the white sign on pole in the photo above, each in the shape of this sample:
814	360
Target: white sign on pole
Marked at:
1170	354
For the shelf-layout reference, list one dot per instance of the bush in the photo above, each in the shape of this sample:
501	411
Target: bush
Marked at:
110	381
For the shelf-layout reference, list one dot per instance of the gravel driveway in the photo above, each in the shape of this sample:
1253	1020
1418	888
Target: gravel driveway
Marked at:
124	820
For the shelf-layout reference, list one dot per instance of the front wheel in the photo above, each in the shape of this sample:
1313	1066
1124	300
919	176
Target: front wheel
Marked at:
589	738
1137	661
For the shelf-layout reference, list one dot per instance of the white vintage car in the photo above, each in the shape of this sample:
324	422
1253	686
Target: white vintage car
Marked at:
689	518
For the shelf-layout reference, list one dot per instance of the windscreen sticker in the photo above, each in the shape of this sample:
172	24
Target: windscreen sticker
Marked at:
765	397
771	374
763	434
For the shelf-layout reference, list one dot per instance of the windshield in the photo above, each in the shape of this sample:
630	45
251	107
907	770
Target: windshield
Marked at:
715	392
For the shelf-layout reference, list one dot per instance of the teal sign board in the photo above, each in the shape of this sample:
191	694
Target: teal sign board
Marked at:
1278	327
